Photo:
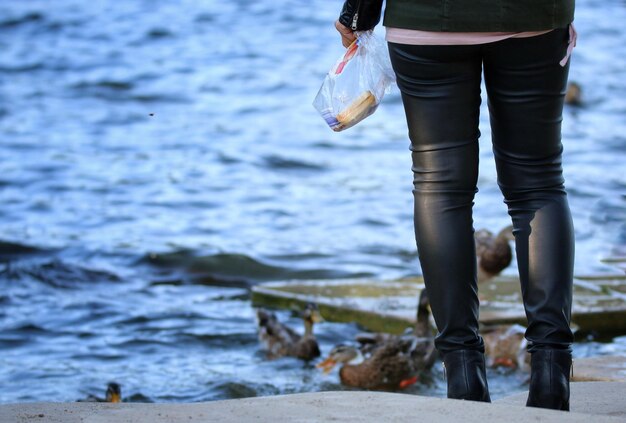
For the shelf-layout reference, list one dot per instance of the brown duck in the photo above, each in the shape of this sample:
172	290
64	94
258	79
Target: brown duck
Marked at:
493	253
386	362
280	340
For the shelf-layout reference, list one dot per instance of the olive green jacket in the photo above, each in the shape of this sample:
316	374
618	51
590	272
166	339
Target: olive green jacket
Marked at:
460	15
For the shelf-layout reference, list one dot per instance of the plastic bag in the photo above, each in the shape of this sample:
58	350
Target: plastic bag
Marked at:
355	85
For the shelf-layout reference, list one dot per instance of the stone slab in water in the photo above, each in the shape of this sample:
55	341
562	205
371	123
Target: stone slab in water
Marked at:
390	305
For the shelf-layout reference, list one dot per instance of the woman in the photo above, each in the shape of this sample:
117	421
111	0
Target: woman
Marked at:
438	50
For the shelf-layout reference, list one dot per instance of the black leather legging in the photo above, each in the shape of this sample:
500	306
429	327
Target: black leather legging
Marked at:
440	88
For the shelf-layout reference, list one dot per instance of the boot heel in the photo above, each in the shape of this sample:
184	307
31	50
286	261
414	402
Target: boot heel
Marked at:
549	379
466	376
551	401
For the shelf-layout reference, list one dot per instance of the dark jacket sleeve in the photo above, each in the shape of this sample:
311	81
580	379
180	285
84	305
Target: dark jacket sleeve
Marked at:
361	15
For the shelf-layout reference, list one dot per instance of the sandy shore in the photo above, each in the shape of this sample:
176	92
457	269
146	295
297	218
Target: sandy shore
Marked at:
591	401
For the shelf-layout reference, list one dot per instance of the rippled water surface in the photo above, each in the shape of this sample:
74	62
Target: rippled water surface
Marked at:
137	137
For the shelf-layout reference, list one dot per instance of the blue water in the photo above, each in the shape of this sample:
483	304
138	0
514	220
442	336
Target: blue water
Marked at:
158	158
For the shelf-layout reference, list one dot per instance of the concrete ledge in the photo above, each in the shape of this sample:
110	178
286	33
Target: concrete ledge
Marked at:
595	398
591	401
605	368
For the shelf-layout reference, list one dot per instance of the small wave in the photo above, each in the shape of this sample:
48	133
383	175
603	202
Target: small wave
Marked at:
105	84
157	33
122	90
22	68
178	205
121	119
388	251
225	340
10	342
95	356
10	250
23	334
5	183
301	256
204	17
160	98
173	259
374	222
26	328
276	162
223	264
344	145
144	344
55	273
236	270
13	22
151	319
227	159
275	213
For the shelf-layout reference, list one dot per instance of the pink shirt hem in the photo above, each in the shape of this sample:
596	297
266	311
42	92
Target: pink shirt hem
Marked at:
417	37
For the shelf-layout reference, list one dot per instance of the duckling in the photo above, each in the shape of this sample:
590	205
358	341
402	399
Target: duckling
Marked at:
573	95
113	394
280	340
493	253
505	345
384	361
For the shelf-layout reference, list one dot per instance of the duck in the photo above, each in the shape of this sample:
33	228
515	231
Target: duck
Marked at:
493	252
384	361
505	346
280	340
113	394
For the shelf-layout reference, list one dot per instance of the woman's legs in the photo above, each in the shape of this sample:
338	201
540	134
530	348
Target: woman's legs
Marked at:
526	87
440	88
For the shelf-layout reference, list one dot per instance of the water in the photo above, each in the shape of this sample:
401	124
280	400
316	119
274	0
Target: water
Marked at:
135	136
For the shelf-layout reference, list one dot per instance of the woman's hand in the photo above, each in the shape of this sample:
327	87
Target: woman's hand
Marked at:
347	34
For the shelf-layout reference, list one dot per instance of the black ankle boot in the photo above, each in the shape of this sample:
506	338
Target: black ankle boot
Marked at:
549	379
466	376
